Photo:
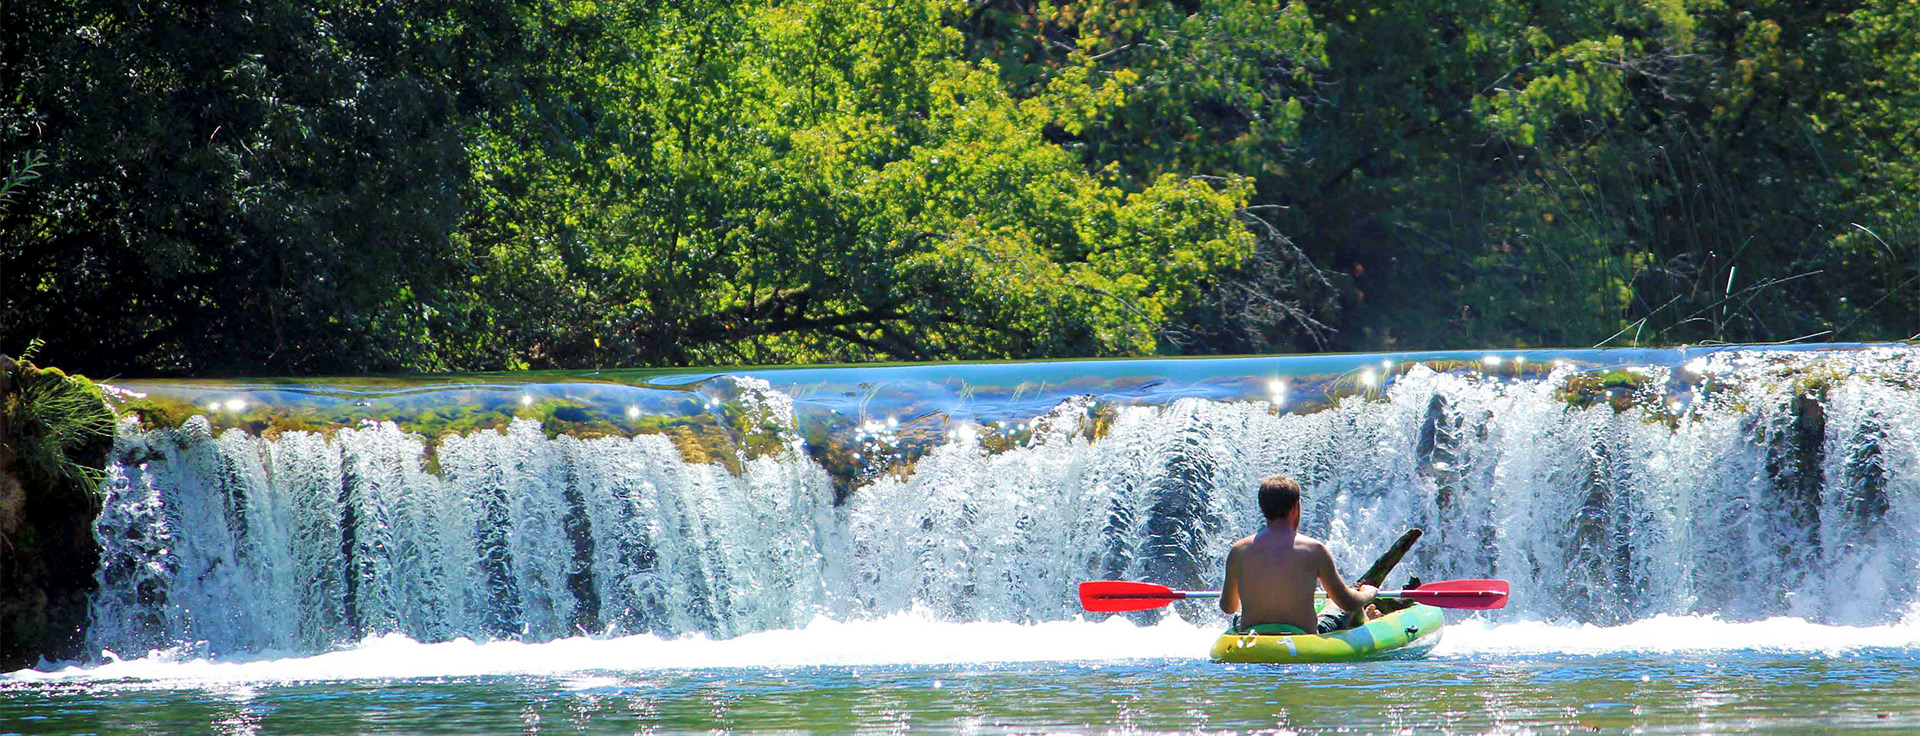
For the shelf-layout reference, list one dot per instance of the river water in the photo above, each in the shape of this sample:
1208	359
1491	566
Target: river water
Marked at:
908	673
1721	539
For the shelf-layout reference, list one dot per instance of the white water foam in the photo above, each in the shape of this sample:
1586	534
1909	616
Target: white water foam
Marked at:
916	639
912	638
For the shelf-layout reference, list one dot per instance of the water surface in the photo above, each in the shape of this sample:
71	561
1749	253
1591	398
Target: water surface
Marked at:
1664	676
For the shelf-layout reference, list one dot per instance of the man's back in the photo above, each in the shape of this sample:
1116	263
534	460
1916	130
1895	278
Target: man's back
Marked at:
1270	575
1274	573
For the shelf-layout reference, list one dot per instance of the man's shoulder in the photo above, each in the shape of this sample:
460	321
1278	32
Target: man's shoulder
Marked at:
1303	542
1244	542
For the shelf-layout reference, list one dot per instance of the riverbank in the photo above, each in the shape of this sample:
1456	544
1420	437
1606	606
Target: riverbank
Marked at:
55	434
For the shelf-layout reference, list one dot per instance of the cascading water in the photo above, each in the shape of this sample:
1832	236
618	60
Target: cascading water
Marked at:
1744	484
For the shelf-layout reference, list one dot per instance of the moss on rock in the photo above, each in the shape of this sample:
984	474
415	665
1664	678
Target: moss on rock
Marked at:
1616	388
55	434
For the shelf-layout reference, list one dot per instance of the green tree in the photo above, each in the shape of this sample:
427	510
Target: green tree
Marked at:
832	181
1564	173
239	186
341	186
1144	88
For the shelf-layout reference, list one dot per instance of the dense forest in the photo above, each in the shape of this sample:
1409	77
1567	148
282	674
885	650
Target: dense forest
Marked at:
345	186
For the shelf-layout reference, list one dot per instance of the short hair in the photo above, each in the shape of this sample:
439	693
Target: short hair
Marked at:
1279	495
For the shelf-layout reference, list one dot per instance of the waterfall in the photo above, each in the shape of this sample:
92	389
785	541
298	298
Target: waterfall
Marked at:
1752	484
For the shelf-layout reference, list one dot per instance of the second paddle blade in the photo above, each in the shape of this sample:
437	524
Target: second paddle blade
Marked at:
1110	596
1473	595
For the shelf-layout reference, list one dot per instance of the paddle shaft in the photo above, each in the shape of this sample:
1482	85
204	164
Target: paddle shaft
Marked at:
1175	595
1122	595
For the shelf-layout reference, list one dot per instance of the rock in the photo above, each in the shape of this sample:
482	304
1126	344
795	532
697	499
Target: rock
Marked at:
55	434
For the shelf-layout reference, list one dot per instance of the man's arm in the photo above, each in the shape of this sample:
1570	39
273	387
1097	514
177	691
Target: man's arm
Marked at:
1348	599
1230	588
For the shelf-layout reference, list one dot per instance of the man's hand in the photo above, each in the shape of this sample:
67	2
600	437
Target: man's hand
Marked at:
1366	592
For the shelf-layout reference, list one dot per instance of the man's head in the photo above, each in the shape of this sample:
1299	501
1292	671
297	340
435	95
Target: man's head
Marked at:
1280	498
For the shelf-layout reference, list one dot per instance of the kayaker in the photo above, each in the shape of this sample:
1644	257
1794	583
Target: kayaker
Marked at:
1271	574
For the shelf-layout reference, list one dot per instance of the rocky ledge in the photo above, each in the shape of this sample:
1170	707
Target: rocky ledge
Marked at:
55	433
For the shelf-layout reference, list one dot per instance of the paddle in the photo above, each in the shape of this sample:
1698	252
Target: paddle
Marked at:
1376	576
1122	595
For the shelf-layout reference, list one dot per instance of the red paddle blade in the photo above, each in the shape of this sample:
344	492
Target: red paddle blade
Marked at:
1121	595
1478	595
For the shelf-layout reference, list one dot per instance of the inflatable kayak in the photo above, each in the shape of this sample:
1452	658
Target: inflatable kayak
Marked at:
1408	633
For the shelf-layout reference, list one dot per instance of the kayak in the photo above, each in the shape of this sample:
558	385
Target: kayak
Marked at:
1409	633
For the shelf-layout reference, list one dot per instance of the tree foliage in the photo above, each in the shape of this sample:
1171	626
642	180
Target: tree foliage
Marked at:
825	181
238	185
268	186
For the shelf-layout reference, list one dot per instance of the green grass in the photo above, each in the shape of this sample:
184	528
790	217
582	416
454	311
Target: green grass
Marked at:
52	418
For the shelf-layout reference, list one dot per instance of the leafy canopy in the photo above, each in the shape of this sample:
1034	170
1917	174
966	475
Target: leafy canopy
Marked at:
264	186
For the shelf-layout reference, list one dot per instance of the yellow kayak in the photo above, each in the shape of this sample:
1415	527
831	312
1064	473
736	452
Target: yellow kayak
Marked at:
1408	633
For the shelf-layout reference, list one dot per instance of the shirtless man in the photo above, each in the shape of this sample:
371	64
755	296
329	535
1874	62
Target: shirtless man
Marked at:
1271	574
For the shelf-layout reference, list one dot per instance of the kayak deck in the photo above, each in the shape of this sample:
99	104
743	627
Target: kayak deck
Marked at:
1409	633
